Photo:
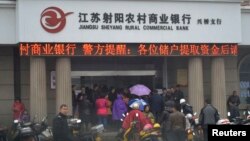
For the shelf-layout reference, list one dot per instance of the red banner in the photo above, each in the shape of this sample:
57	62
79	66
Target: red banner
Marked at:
127	49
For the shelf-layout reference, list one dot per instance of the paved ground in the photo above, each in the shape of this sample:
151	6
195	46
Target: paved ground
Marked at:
109	136
106	136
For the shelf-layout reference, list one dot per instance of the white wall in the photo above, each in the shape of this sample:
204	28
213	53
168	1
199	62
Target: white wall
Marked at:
245	21
8	21
38	28
7	24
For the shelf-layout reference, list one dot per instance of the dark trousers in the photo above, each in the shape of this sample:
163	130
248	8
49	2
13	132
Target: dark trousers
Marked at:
157	115
177	135
205	133
166	136
103	120
2	136
74	110
117	124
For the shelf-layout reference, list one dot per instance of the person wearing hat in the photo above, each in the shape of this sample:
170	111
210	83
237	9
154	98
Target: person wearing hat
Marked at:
185	107
135	115
119	108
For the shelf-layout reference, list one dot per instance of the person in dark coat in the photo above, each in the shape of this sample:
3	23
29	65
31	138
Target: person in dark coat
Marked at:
185	107
157	105
84	109
234	99
208	115
233	103
60	127
167	95
165	122
177	125
177	94
74	100
112	94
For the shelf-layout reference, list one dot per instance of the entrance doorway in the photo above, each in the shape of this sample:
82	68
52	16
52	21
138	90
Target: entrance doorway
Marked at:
118	72
117	79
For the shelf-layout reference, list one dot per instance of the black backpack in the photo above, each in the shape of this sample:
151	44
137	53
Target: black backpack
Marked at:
188	109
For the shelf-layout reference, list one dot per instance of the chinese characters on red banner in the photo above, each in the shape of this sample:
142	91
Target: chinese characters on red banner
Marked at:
115	49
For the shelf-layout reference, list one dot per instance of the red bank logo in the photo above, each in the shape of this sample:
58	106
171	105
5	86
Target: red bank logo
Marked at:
53	19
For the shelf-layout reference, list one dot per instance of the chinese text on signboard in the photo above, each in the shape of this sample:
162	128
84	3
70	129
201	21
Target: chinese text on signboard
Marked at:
127	49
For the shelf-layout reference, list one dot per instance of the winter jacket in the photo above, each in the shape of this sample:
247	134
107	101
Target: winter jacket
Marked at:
164	120
101	107
177	121
186	109
156	103
60	128
119	107
141	120
208	115
18	109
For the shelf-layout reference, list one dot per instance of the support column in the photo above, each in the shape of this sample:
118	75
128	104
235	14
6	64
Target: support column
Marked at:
38	97
195	84
63	83
165	73
17	73
219	85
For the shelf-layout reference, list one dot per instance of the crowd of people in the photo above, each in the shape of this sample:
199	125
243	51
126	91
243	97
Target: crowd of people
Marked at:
107	106
110	102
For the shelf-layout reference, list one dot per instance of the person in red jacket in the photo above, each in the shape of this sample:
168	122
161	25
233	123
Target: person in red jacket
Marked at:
102	109
135	115
17	108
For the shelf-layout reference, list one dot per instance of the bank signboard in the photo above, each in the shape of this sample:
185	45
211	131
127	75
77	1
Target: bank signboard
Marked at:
128	22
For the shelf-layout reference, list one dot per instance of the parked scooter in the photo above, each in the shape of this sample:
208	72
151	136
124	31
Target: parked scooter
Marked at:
151	133
43	131
189	126
22	132
74	126
234	121
240	121
131	133
95	134
197	133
